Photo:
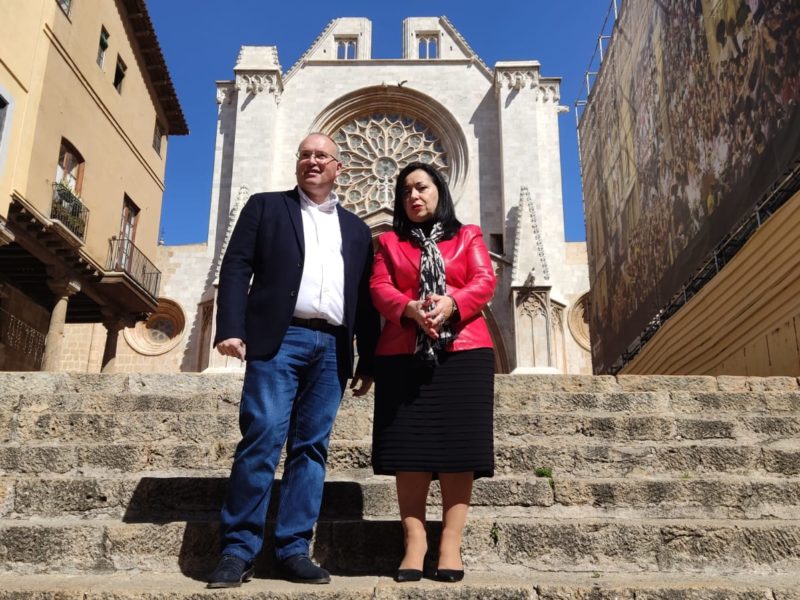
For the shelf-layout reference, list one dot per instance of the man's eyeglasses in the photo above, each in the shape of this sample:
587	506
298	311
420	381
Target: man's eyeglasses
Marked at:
321	157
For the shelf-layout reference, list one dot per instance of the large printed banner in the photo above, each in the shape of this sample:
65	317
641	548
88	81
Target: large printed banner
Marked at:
694	116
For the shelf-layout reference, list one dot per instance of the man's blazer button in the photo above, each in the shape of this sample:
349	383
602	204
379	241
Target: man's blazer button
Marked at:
299	265
293	293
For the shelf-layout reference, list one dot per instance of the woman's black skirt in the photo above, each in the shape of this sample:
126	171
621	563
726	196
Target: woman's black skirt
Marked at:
436	419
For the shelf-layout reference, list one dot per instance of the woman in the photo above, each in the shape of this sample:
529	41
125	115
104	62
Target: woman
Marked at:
434	371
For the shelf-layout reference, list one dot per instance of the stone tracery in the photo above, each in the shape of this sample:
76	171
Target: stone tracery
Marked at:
375	148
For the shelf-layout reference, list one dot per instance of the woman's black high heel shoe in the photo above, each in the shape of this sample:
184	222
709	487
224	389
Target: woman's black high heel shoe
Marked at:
404	575
449	575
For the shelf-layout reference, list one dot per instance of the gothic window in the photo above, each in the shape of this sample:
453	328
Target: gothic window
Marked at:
374	148
428	45
346	48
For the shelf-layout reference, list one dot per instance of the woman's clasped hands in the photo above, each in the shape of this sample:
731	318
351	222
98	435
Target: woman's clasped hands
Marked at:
430	313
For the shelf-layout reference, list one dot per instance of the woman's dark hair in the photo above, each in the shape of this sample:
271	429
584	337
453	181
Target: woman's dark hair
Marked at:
445	211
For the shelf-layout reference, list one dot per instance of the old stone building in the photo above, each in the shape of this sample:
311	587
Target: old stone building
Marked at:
493	131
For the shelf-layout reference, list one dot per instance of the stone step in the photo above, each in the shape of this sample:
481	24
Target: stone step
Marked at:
356	424
358	547
511	400
528	585
61	392
187	496
564	455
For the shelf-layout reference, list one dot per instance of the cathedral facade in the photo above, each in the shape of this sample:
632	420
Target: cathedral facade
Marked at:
492	131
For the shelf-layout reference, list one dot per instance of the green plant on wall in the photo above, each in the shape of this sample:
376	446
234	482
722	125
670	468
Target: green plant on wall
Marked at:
545	472
494	533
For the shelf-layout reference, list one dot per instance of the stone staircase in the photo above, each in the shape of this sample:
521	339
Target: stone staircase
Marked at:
605	488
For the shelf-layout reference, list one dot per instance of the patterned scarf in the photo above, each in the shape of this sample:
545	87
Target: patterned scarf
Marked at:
431	281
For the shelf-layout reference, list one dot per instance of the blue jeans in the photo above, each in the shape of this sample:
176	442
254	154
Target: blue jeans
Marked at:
290	398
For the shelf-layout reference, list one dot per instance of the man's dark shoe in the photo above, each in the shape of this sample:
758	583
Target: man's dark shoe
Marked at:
300	569
231	571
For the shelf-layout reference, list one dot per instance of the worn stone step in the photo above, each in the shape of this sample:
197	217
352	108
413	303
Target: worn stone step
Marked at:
652	402
565	455
135	498
220	392
225	401
359	494
587	458
356	424
375	547
528	585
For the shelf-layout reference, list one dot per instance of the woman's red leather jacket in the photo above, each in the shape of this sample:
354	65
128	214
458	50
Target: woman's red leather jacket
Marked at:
469	278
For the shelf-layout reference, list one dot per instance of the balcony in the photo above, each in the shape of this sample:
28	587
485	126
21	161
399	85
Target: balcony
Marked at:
124	256
68	210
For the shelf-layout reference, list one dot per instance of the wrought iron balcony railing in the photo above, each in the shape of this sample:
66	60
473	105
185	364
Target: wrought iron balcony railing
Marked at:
69	210
123	255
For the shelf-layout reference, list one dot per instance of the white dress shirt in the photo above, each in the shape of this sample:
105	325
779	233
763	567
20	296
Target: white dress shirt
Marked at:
321	294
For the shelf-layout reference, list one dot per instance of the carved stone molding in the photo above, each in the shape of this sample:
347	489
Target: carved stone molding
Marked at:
534	304
255	83
530	260
578	321
557	316
233	217
226	94
547	93
161	332
519	80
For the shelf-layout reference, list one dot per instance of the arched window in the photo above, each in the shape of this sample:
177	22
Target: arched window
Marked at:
428	45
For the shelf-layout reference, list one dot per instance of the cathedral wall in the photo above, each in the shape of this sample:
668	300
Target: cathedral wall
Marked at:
186	277
461	88
506	139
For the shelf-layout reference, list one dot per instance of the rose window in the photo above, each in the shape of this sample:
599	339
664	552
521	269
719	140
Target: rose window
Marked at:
373	151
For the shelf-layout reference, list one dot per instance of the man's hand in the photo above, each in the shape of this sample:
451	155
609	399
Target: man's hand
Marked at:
232	347
360	384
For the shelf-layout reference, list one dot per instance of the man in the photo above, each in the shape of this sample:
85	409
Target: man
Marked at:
310	261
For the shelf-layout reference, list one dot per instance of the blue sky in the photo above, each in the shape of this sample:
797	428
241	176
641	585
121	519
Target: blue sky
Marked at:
201	39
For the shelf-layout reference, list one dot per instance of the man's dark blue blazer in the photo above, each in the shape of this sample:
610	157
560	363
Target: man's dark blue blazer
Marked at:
268	244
